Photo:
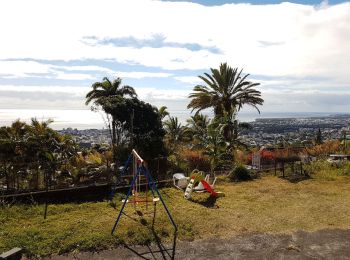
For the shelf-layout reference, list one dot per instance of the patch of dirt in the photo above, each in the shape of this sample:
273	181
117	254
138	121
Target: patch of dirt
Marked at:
323	244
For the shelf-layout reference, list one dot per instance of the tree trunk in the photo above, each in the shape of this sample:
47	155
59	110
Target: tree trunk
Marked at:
17	179
7	178
113	132
37	178
46	177
110	128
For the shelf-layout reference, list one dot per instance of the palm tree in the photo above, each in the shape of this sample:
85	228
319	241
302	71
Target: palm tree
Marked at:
175	132
213	145
198	125
14	153
102	92
43	145
7	153
226	91
163	112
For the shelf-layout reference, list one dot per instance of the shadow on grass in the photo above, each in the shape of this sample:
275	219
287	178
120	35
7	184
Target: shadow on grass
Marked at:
159	250
296	178
154	251
208	202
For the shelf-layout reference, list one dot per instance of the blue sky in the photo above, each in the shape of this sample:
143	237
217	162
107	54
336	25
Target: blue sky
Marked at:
53	51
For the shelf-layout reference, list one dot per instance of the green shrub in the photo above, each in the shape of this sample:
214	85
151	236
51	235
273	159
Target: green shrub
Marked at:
240	173
323	169
197	161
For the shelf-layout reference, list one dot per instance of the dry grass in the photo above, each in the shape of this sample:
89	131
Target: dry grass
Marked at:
269	204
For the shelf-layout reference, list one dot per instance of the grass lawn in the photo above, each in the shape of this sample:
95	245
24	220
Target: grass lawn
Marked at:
269	204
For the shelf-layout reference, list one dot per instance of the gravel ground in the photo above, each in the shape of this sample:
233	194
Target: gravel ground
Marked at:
323	244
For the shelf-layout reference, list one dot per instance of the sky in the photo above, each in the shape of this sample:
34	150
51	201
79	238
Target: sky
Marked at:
51	52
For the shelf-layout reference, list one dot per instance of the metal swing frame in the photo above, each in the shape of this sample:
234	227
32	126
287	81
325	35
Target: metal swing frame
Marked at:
141	170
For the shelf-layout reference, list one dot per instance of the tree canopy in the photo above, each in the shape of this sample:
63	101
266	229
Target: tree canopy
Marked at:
142	126
226	91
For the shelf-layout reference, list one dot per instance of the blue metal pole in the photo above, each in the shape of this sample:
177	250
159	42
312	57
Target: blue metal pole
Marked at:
160	197
144	171
126	164
125	201
124	170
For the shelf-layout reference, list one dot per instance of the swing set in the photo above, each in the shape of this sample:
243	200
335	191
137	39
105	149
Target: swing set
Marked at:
139	171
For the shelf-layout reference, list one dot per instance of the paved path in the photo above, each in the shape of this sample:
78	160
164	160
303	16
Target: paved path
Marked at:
324	244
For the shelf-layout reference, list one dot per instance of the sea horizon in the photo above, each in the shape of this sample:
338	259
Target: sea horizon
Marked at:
87	119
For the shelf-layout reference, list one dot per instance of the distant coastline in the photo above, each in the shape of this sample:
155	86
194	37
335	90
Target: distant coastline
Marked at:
250	117
86	119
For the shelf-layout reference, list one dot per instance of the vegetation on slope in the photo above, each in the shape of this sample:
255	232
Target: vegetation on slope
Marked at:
269	204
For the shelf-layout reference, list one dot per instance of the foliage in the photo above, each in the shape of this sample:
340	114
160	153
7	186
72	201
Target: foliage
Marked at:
214	147
196	160
322	169
28	151
345	146
121	154
324	149
241	156
240	173
197	128
145	131
175	133
102	93
95	158
176	164
226	90
163	112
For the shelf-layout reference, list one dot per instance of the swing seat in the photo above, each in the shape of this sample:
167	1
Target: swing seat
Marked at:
155	199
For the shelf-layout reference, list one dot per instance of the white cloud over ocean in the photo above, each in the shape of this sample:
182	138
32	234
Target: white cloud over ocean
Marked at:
298	52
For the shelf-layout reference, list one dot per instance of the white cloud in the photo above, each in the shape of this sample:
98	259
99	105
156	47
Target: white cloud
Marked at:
311	101
305	48
151	94
16	69
84	68
20	69
72	97
189	79
312	40
73	76
140	75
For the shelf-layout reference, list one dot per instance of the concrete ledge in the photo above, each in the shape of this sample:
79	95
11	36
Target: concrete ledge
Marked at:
13	254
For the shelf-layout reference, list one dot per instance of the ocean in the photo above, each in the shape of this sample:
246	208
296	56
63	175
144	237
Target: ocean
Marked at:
87	119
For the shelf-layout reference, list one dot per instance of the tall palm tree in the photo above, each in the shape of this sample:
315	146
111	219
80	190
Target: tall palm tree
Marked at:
102	92
226	90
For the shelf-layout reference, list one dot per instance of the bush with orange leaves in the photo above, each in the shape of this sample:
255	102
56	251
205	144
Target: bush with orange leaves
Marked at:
325	149
196	160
